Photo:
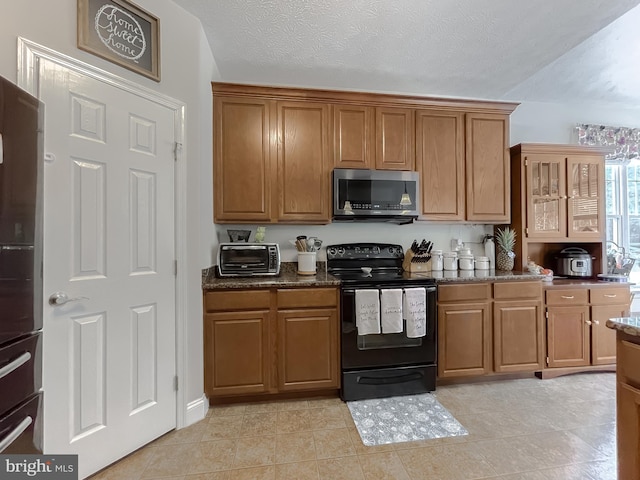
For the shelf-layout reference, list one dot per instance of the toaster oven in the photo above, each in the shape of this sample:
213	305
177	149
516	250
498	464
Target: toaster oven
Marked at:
248	259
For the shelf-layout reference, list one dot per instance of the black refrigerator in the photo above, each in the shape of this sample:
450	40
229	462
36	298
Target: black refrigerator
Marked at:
21	210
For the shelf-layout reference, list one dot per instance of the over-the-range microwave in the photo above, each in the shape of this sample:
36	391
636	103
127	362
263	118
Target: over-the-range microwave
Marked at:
248	259
375	195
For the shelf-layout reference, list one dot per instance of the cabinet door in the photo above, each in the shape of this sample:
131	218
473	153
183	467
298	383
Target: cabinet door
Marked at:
568	336
487	168
394	139
353	136
585	208
303	162
440	162
237	356
308	355
464	339
628	424
518	339
546	196
603	339
242	160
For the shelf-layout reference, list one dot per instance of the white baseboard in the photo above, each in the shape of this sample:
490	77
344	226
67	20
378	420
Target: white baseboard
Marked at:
196	410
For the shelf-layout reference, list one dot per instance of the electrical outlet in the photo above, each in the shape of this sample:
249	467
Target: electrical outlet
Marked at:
456	243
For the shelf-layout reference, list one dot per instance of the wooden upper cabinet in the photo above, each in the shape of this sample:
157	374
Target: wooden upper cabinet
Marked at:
546	195
440	162
585	202
394	138
304	166
353	136
487	168
242	159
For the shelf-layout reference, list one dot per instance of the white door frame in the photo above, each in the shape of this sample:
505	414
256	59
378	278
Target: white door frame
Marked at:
29	56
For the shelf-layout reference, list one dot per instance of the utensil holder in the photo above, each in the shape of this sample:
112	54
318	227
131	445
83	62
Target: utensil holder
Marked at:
306	263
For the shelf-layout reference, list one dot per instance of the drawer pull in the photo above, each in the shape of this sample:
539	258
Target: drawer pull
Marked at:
568	297
15	433
11	366
609	295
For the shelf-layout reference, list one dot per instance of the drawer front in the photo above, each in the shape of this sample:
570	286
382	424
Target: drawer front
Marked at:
307	298
21	428
20	371
457	293
610	296
629	362
229	300
572	296
507	290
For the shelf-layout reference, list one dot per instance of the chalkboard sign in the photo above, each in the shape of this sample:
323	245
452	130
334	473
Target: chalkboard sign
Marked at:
122	33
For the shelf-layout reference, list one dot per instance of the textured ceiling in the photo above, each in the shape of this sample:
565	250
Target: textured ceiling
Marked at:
536	50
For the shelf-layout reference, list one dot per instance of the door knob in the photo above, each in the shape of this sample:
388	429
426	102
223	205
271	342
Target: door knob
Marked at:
60	298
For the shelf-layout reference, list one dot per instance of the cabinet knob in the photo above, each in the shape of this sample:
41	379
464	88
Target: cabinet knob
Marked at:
588	322
597	322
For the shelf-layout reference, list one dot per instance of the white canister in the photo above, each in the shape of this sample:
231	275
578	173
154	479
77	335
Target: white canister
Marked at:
450	261
306	263
464	251
436	261
482	263
465	262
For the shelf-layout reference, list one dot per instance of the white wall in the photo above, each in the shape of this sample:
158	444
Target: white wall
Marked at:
187	67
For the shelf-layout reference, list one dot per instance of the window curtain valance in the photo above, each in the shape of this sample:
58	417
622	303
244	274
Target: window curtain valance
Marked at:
624	140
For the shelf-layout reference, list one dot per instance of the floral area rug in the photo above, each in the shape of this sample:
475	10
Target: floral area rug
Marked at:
403	419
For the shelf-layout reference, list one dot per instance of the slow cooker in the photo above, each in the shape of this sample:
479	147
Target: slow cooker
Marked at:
574	262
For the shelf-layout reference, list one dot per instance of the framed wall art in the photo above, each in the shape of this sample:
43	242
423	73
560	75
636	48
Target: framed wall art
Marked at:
121	32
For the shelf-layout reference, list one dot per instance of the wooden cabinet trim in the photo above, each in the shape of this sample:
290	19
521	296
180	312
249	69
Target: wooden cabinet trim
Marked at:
361	98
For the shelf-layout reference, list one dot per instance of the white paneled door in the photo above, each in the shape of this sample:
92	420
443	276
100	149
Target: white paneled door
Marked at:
109	351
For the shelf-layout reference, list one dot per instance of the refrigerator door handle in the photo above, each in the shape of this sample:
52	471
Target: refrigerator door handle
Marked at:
15	433
11	366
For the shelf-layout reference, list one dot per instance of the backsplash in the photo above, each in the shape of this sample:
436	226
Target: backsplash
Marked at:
440	235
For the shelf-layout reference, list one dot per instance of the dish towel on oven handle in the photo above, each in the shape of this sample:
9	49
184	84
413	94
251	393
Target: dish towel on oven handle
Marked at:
367	311
415	311
391	310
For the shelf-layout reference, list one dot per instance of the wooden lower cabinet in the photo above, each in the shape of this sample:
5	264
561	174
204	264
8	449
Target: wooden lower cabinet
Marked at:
237	354
568	336
480	332
577	335
464	339
307	349
518	339
628	406
290	344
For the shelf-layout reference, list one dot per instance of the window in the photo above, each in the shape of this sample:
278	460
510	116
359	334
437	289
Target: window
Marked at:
622	182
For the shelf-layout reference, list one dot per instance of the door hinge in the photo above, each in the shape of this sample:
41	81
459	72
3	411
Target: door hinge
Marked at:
547	361
546	314
526	231
526	163
175	383
177	147
175	268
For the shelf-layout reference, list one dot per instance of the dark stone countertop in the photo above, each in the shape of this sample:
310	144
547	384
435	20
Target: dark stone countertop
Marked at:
288	278
629	325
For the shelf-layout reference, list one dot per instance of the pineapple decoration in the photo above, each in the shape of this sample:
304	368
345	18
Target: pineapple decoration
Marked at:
506	241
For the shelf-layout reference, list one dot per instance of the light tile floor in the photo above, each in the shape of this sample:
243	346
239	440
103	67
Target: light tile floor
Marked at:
526	429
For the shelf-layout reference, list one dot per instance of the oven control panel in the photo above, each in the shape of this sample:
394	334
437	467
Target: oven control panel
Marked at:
364	250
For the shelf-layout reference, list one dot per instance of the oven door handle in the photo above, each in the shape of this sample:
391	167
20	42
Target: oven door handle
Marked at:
410	377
